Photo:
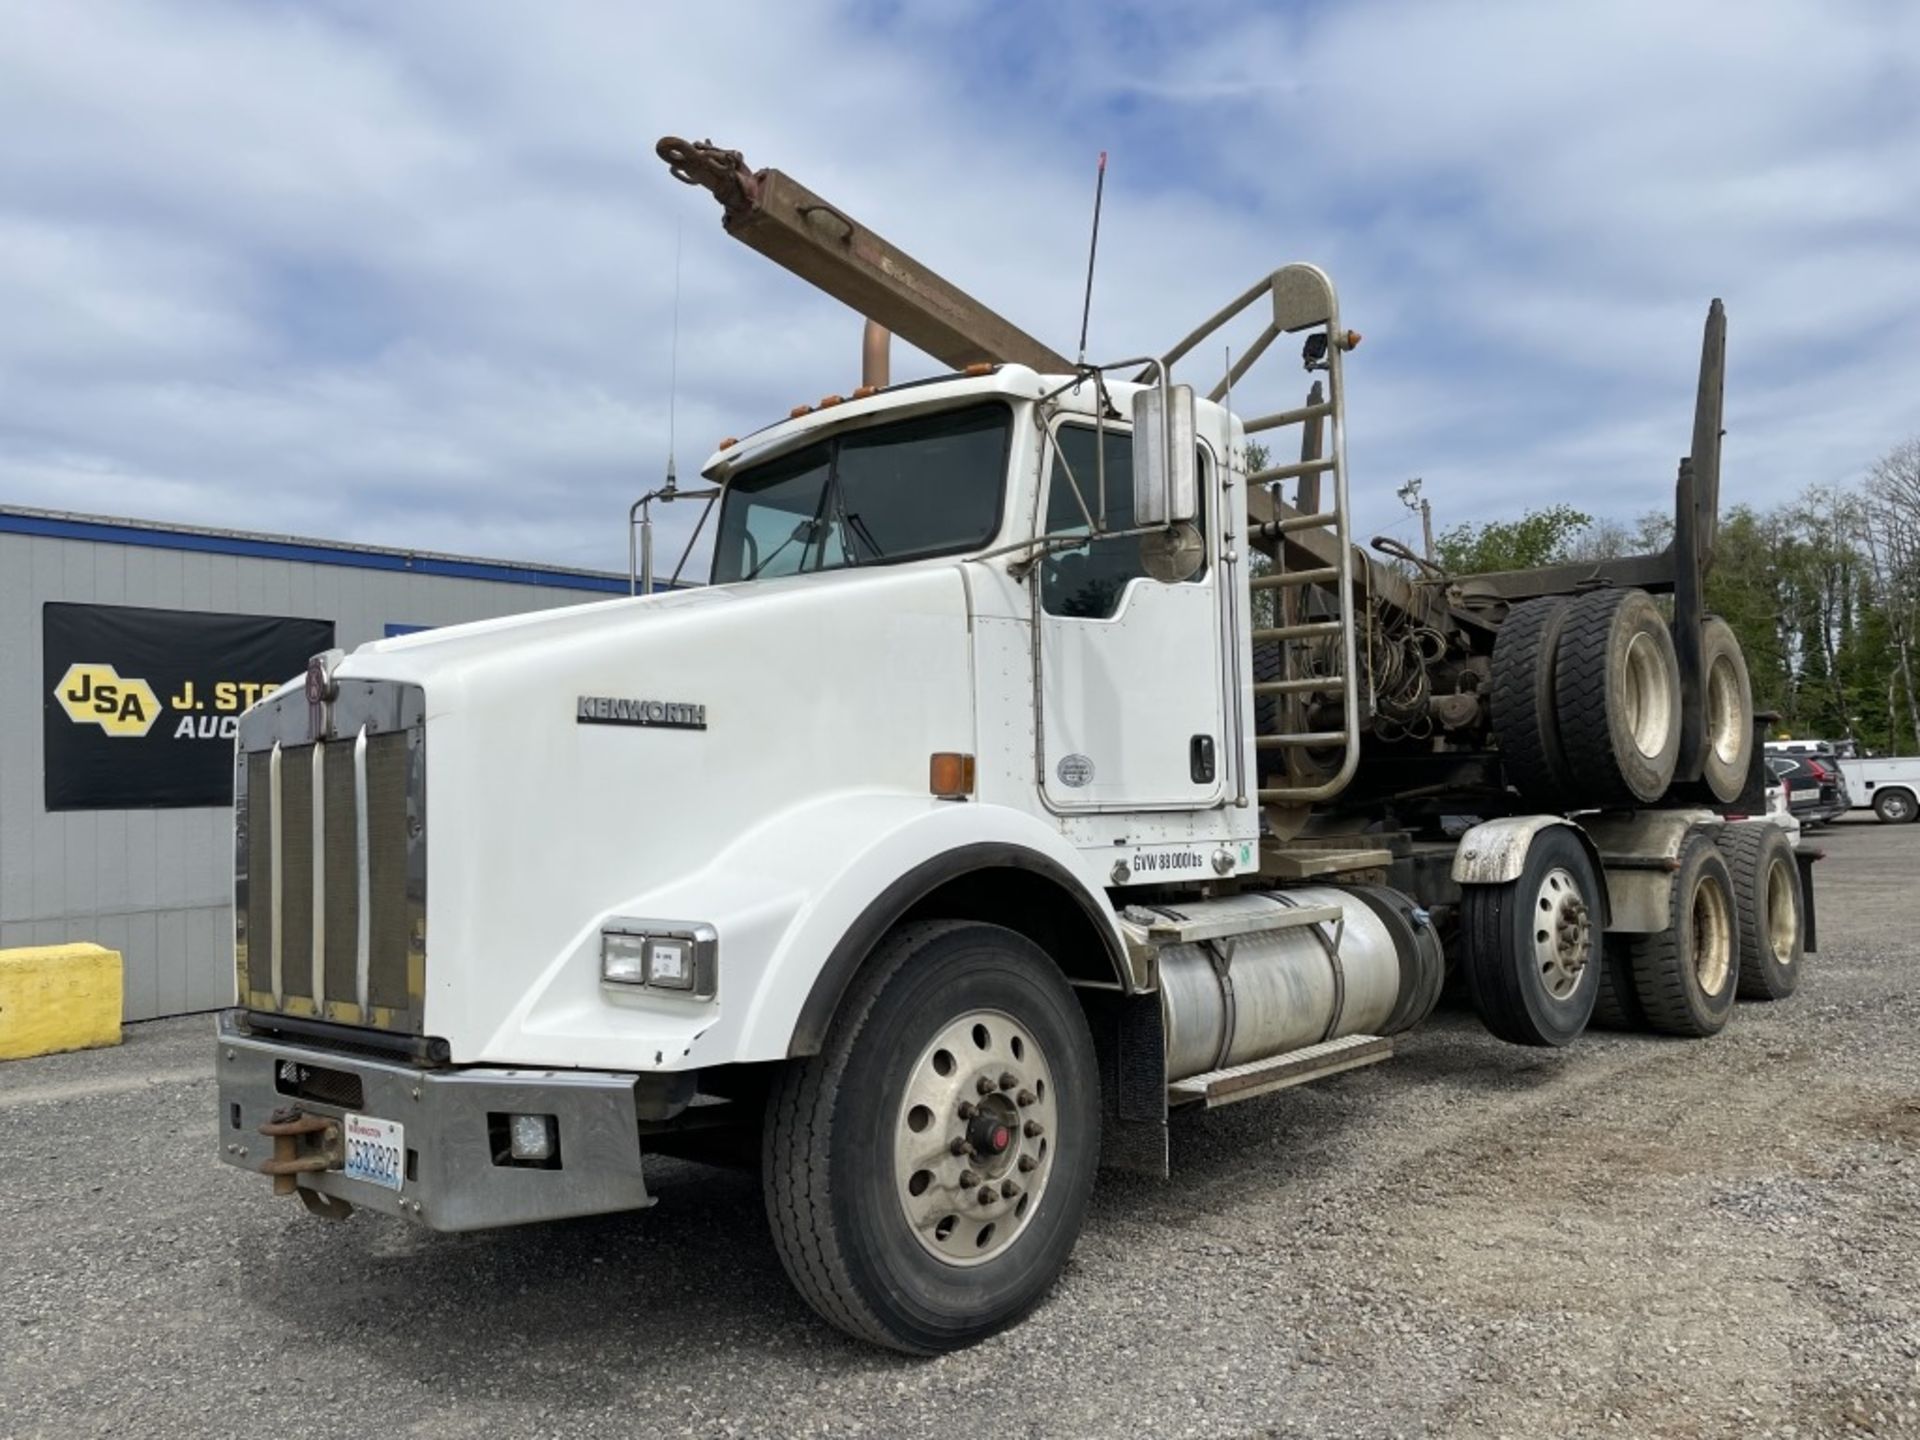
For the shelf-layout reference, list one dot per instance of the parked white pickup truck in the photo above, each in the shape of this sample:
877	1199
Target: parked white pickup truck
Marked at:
1890	786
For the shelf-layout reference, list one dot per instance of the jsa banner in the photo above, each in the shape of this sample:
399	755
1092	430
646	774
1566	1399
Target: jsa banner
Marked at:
142	705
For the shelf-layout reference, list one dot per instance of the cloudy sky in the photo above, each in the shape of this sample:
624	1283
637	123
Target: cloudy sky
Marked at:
404	273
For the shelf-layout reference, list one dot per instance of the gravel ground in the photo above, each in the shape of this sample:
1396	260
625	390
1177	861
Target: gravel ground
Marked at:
1636	1237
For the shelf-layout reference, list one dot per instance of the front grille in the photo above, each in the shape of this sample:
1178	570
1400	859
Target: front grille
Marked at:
330	903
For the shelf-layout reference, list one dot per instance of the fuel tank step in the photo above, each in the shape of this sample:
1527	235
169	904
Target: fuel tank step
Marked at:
1296	1067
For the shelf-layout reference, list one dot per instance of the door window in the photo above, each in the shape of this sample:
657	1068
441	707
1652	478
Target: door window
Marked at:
1087	582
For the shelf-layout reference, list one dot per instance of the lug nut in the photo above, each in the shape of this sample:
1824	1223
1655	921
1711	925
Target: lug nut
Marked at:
1009	1190
1027	1162
985	1197
984	1086
1033	1129
967	1107
958	1145
967	1177
1008	1080
1023	1099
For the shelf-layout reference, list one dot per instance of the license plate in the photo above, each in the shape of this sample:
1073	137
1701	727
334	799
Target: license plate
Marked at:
376	1151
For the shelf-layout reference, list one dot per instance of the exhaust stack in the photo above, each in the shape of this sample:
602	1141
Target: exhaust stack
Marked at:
876	355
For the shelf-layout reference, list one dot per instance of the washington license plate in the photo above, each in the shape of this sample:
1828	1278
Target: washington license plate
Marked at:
376	1151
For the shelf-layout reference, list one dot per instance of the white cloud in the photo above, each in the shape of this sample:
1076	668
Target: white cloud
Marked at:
404	273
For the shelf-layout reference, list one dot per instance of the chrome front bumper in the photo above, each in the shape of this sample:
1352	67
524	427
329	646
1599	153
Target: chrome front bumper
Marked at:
452	1179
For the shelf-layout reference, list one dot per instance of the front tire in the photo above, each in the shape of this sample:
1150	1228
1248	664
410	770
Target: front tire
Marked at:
886	1222
1531	947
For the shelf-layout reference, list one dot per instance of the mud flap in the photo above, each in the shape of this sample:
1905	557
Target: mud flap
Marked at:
1805	859
1130	1043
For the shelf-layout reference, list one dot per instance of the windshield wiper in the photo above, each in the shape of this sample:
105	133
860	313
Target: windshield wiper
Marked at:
847	555
810	528
863	534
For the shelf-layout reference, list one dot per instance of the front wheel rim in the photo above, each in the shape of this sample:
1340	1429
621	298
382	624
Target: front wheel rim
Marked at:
974	1138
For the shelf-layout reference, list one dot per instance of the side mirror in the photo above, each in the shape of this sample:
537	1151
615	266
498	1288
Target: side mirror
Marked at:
1166	483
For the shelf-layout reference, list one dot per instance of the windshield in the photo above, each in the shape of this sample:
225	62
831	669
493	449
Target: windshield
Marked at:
931	485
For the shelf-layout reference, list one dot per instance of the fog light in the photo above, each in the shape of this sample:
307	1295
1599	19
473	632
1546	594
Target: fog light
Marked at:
531	1137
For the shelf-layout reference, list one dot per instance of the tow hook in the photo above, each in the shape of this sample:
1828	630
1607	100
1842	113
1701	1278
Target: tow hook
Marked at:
285	1127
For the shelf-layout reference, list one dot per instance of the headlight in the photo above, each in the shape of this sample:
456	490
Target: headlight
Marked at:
623	958
661	955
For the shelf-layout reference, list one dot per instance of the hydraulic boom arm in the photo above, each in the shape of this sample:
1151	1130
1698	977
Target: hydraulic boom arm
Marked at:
793	227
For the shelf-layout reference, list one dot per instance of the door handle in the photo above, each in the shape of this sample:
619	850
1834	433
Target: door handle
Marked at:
1200	759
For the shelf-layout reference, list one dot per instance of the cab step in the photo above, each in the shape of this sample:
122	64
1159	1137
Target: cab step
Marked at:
1296	1067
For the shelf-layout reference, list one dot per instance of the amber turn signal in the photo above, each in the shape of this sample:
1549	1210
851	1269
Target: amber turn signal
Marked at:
950	776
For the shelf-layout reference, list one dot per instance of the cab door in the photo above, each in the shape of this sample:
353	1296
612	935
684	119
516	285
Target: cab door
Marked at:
1131	689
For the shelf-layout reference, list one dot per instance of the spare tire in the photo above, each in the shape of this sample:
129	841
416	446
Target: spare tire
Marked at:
1727	700
1525	721
1617	696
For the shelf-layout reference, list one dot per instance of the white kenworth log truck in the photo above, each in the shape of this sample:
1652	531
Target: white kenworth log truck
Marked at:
1030	771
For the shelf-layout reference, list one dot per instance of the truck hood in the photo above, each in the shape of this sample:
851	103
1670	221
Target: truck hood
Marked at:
582	762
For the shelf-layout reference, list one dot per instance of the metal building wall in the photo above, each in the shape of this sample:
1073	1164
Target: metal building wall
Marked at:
156	885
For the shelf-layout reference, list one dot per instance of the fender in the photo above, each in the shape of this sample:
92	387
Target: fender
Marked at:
901	896
1494	852
797	903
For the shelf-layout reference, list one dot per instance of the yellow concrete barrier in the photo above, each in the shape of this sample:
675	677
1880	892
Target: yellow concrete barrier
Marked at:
58	997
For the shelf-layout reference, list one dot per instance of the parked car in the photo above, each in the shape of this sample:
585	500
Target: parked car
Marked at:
1887	785
1816	793
1831	755
1845	749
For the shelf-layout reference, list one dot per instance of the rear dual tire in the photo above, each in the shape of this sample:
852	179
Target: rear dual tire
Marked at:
1682	979
1771	906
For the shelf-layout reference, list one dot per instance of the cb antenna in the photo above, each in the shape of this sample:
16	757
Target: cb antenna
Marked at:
1093	248
673	361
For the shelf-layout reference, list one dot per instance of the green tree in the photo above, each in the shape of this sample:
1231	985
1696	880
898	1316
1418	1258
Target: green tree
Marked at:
1539	537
